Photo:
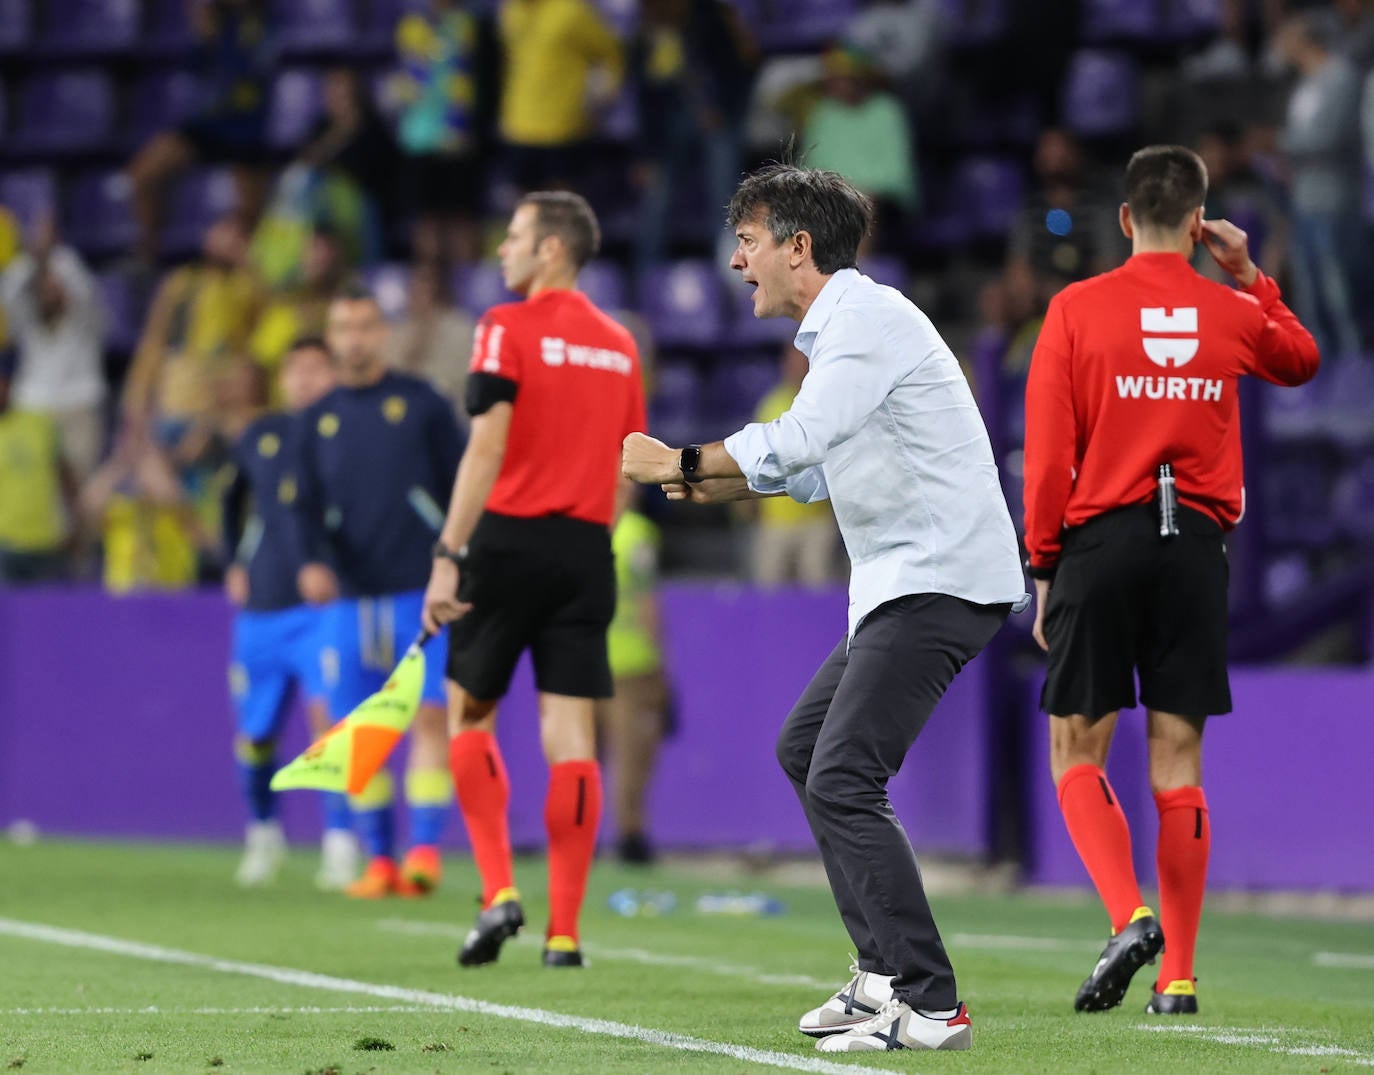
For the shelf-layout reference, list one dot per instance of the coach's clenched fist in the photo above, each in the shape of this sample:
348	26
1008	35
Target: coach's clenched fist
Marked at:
644	459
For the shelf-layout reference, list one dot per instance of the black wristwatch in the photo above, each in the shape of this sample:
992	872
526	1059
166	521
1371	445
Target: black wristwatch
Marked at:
443	552
688	462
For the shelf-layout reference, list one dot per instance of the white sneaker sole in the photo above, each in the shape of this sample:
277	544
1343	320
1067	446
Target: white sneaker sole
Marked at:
955	1042
832	1028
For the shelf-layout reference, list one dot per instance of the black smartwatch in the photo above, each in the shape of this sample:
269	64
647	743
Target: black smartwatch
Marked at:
443	552
688	462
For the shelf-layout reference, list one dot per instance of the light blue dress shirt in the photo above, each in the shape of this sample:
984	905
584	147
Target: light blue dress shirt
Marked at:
885	426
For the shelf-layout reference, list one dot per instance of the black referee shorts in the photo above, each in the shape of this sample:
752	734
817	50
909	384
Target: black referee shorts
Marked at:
547	585
1126	601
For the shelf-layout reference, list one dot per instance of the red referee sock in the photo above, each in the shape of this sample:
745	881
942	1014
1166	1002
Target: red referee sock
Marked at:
479	778
1185	842
572	814
1102	839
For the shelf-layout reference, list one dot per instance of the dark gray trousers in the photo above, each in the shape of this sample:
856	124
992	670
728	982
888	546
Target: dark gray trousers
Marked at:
844	739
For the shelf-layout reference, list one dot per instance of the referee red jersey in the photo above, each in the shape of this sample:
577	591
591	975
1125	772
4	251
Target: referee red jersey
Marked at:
578	393
1138	367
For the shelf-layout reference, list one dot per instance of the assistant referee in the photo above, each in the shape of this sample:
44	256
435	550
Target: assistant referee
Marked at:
1132	477
524	560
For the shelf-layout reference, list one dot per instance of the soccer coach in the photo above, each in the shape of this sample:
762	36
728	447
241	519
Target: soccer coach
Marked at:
885	426
1132	477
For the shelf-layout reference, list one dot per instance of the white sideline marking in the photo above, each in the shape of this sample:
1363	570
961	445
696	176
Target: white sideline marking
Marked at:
1268	1038
70	938
1347	960
627	955
153	1009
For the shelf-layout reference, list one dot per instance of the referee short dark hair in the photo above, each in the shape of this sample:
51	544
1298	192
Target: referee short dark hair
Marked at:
568	216
1163	185
793	199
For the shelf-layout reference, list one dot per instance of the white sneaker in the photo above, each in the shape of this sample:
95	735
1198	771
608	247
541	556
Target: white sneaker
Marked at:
896	1026
853	1005
339	858
264	850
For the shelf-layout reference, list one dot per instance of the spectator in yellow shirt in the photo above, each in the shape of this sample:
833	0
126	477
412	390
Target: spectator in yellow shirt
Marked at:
148	527
562	63
34	481
792	541
200	319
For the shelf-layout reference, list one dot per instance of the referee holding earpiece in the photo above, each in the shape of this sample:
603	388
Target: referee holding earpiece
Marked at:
885	426
1132	476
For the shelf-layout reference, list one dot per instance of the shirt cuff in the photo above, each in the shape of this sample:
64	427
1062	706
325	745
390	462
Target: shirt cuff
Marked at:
749	449
1264	289
807	487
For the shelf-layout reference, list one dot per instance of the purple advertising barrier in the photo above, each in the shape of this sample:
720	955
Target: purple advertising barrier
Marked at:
1286	777
115	721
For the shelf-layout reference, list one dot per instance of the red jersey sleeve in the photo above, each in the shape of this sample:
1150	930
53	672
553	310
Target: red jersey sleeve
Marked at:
1285	352
494	350
1050	440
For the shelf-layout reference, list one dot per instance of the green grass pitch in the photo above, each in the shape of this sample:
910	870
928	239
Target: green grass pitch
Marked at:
158	964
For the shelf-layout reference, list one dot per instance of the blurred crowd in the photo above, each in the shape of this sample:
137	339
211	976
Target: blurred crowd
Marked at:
155	274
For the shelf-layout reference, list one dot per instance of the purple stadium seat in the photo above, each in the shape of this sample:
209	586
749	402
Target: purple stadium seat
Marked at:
885	270
620	122
99	217
1101	93
70	111
1299	482
684	302
479	287
796	25
168	28
1295	413
604	283
29	194
1193	18
974	22
991	189
944	222
296	96
1354	501
746	330
200	198
1115	20
675	410
313	26
734	390
16	25
160	100
390	283
126	303
86	27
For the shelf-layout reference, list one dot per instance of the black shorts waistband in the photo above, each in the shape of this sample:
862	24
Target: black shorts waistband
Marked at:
549	533
1141	517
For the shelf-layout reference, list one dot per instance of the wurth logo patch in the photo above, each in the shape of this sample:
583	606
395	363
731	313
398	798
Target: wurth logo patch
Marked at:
1172	351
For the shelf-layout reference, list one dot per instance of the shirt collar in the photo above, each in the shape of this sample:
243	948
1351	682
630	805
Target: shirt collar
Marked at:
823	306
